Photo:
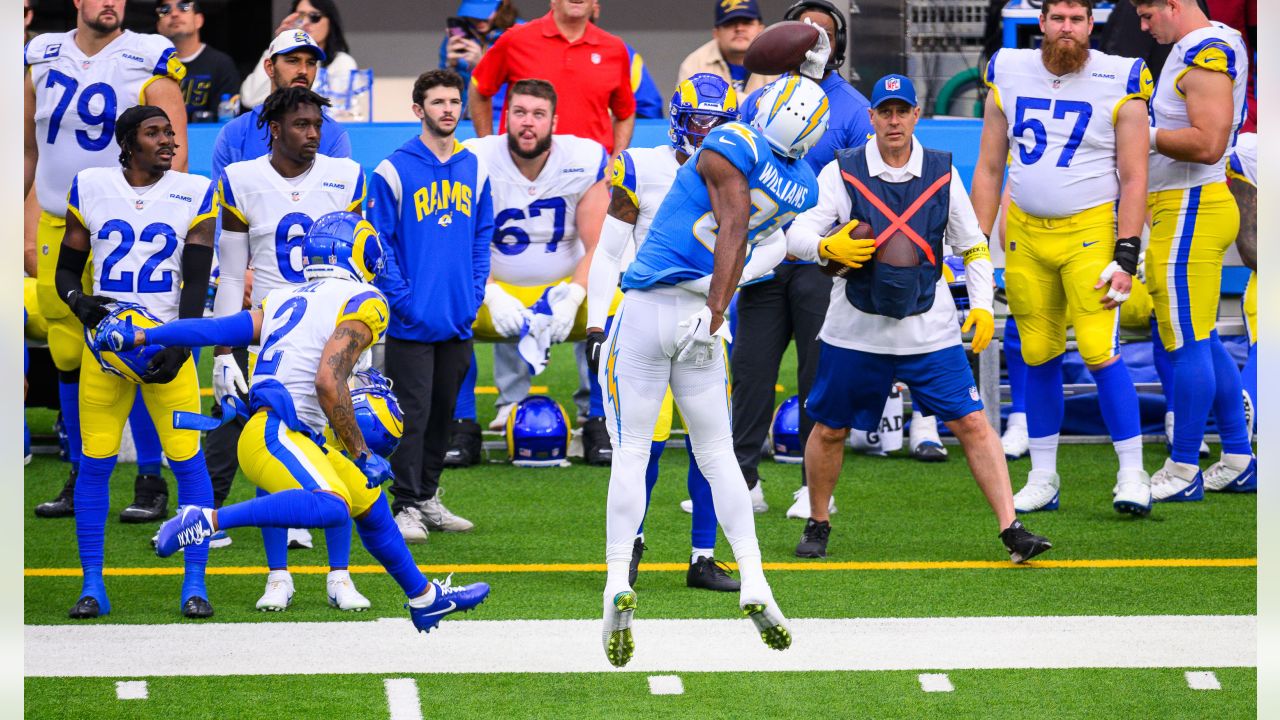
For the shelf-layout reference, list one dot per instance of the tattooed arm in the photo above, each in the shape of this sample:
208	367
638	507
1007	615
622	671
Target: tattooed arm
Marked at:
345	345
1247	242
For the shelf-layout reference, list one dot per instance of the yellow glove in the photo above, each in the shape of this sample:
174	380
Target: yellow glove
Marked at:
846	250
983	326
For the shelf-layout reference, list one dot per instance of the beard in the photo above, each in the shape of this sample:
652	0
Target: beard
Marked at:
99	25
435	129
513	144
1064	59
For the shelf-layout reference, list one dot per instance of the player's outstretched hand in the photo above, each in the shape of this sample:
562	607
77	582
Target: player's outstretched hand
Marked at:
844	248
376	469
815	61
89	309
595	345
1120	283
698	342
116	335
564	312
507	313
164	365
227	378
983	326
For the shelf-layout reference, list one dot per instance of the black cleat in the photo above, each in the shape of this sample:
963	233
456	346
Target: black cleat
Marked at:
196	608
929	452
637	552
62	506
86	608
813	543
596	448
707	573
1021	543
466	446
150	501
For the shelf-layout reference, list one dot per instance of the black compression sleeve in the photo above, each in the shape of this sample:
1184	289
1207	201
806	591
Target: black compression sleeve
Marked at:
196	261
67	277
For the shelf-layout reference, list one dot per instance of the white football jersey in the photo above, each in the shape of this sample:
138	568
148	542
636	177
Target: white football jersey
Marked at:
1243	163
1217	48
1062	137
78	99
137	237
297	322
279	211
535	237
645	174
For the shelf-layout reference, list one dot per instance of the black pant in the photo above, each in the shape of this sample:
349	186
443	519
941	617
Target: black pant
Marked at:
220	445
770	313
427	377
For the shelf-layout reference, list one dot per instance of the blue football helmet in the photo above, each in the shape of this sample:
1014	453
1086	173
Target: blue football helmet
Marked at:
342	245
537	433
700	103
953	271
377	412
128	364
785	432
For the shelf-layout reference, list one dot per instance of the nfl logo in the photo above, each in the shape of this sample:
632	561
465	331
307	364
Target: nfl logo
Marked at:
296	197
1057	83
84	64
137	204
892	84
595	58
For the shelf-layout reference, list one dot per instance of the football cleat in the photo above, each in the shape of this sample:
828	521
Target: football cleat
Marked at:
637	552
188	527
1021	543
929	451
279	592
1221	477
1132	492
758	505
800	509
596	447
343	594
687	506
439	518
925	444
64	504
466	445
412	528
147	507
619	645
1177	482
197	608
300	539
218	540
1040	492
770	623
813	543
1015	441
707	573
88	607
448	600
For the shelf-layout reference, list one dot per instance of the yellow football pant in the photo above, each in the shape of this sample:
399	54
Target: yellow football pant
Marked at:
483	330
65	333
106	399
37	328
1251	308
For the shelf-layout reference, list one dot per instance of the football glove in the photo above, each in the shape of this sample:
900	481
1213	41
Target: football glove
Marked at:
117	335
595	345
853	252
376	470
698	343
507	313
90	309
983	326
228	381
564	312
165	365
815	61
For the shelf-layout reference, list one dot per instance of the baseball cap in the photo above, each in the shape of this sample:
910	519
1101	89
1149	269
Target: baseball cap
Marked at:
478	9
730	10
290	40
893	87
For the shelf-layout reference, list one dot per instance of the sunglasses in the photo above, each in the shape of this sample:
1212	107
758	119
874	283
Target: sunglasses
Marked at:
313	17
183	6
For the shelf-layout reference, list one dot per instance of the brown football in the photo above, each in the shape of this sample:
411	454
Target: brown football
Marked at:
898	251
780	48
862	231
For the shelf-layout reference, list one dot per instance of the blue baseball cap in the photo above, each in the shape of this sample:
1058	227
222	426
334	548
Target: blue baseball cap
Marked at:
729	10
478	9
893	87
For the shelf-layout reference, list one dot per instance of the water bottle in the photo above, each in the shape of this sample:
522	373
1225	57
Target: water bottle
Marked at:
226	109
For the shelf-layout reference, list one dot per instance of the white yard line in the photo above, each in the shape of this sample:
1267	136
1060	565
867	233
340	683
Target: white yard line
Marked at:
391	646
131	690
1202	680
403	699
936	682
666	685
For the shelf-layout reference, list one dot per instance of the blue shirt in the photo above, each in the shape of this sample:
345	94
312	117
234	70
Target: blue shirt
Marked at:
848	126
242	139
649	103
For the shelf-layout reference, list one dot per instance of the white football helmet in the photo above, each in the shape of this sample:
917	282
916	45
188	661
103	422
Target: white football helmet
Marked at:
792	115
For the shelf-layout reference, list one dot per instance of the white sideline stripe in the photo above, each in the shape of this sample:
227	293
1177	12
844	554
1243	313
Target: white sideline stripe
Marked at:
666	685
1202	680
936	682
137	689
560	646
403	699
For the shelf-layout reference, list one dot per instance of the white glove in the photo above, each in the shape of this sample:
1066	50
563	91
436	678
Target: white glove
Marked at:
1105	279
1141	274
815	61
698	343
507	313
564	311
227	378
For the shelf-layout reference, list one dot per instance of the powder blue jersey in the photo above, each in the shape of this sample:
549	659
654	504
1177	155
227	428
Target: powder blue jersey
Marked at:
681	241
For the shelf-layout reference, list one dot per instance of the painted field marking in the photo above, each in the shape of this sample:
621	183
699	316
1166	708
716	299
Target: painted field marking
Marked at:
936	682
1203	680
1106	564
402	698
666	685
131	690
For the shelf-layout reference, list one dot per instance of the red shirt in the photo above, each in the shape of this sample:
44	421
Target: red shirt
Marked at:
592	75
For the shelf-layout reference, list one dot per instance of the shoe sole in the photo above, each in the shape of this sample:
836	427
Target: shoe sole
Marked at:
1039	550
1129	507
275	608
621	646
141	519
1047	507
442	617
1249	485
777	637
58	514
1197	494
811	554
727	588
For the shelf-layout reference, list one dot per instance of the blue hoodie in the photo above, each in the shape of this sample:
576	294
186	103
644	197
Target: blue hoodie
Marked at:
435	220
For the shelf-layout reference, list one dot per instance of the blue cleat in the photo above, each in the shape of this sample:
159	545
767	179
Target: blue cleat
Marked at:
1223	478
448	600
1175	482
188	527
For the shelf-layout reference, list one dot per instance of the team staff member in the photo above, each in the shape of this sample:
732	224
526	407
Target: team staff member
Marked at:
589	68
211	73
878	331
432	205
1198	105
737	23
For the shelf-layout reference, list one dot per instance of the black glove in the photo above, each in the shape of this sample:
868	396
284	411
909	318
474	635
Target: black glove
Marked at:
89	308
595	343
164	366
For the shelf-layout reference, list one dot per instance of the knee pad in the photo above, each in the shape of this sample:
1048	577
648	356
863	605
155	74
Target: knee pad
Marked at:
66	342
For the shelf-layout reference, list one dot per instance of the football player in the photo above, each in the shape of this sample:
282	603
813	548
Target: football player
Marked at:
667	334
268	204
150	230
311	335
1197	108
1242	168
76	84
1075	120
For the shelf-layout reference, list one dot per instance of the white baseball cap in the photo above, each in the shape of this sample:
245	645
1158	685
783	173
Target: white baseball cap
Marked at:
290	40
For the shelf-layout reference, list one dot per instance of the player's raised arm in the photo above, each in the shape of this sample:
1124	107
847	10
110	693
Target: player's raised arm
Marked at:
730	198
988	175
349	339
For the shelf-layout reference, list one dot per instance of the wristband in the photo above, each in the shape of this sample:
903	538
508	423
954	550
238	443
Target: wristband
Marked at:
1152	139
1126	254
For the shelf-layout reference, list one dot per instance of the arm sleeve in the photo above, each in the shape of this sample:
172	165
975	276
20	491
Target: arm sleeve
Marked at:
257	86
602	277
764	258
490	73
384	214
966	238
196	261
481	241
233	330
70	270
833	209
233	258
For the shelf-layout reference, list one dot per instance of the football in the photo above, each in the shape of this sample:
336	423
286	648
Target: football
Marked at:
780	48
898	251
860	232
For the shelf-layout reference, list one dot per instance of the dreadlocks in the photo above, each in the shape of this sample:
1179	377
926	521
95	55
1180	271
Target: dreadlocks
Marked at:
285	100
127	128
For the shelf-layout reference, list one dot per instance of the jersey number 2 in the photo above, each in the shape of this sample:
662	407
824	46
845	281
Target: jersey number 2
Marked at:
268	361
1082	110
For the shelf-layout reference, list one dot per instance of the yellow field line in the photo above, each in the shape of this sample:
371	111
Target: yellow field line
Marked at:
659	567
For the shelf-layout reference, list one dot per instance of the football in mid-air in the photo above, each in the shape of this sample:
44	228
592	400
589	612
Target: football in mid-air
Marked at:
780	47
898	251
861	231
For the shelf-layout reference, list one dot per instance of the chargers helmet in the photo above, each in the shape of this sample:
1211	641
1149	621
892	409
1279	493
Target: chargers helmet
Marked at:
377	412
792	115
700	103
537	433
785	432
129	364
342	245
953	272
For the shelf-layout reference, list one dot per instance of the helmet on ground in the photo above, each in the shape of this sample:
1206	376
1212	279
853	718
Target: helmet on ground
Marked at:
129	364
953	272
377	412
785	432
342	245
700	103
537	433
792	115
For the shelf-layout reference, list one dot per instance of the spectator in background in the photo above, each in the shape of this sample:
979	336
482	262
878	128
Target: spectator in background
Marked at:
649	102
478	24
211	73
738	22
27	16
320	20
589	68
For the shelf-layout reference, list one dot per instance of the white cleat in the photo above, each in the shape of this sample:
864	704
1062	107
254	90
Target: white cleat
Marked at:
1132	492
758	505
768	619
1015	441
1177	482
1234	473
619	645
800	509
300	539
343	593
1040	492
687	506
500	420
279	592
